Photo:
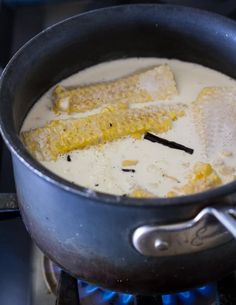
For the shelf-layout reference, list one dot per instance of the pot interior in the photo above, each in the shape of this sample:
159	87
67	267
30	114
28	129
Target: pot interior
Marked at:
107	34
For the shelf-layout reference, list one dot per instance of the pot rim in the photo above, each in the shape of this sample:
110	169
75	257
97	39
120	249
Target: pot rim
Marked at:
18	150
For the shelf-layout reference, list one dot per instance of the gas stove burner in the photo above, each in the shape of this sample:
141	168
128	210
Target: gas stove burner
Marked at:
87	292
92	295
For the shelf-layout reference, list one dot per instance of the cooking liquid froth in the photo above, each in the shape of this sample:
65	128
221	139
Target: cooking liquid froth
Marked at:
159	168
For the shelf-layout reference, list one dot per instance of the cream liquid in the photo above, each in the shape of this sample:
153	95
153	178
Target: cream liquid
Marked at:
160	168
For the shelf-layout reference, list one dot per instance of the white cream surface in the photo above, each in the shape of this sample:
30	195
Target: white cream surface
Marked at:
159	168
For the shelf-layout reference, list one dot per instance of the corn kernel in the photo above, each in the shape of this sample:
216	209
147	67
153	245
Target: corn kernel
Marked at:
141	193
126	163
171	194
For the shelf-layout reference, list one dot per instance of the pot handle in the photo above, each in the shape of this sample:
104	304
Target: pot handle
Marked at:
210	228
8	206
227	217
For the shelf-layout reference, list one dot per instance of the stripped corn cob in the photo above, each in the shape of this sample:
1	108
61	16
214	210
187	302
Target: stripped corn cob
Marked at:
62	136
141	193
203	178
214	113
154	84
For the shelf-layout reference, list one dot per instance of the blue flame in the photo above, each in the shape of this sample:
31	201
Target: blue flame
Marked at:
104	295
207	289
108	295
189	297
125	298
91	289
168	299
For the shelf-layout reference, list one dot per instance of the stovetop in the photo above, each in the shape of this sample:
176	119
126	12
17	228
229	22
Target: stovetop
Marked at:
29	278
24	269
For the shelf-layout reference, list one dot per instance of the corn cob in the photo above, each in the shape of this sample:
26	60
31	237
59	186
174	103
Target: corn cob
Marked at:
203	178
141	193
154	84
62	136
214	114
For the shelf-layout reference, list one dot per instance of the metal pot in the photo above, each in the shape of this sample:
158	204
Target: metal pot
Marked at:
143	246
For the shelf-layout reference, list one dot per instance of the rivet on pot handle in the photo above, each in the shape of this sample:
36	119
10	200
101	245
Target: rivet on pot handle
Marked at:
212	227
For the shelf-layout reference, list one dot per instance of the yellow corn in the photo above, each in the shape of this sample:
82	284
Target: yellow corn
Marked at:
126	163
141	193
62	136
172	194
201	179
154	84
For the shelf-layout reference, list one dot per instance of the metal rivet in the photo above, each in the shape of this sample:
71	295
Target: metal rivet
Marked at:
161	245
